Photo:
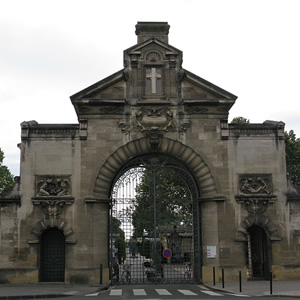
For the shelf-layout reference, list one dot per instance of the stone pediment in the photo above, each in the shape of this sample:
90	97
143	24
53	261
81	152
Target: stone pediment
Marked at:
98	90
108	93
196	88
152	75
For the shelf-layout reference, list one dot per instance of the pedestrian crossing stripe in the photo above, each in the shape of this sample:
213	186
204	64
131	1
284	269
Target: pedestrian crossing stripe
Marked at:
139	292
187	293
116	292
165	292
211	293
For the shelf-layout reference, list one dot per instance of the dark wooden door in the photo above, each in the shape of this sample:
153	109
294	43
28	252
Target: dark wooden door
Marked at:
52	256
259	252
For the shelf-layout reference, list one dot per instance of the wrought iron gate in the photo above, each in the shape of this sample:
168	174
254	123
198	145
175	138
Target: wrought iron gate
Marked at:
153	224
52	256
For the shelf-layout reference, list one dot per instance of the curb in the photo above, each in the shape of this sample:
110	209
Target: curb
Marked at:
47	296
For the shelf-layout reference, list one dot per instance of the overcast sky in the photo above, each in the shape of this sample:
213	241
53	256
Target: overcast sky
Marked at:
52	49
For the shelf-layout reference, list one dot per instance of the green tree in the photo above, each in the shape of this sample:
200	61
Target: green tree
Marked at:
292	149
173	201
119	237
6	178
240	120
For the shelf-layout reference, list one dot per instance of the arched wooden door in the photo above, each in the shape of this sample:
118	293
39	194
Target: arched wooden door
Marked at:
52	260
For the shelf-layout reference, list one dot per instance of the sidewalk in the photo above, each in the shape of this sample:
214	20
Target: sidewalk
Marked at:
260	288
45	290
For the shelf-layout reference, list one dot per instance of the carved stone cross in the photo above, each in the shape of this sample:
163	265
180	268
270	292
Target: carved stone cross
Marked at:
153	76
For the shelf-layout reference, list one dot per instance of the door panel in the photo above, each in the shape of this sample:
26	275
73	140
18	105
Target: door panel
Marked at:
52	256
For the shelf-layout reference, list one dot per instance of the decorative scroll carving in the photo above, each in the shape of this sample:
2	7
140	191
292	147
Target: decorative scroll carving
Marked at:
127	74
155	119
255	184
52	209
53	186
125	127
172	64
256	205
184	125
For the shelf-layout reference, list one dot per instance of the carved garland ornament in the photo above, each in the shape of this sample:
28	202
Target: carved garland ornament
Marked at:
255	193
52	194
155	119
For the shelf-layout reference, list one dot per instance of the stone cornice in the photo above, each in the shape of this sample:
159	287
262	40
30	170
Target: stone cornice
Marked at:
6	201
34	130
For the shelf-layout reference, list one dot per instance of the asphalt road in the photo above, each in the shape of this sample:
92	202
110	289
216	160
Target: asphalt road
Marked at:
163	291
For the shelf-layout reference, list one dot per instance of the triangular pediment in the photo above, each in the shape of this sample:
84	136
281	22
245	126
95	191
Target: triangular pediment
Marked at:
196	89
105	87
152	74
108	91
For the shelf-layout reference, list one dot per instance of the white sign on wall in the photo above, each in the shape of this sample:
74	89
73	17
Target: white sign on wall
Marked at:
211	251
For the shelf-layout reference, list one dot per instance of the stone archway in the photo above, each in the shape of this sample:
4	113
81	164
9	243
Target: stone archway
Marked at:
195	164
185	154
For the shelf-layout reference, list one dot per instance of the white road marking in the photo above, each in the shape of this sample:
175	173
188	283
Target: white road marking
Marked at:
187	292
163	292
116	292
238	295
211	293
139	292
92	295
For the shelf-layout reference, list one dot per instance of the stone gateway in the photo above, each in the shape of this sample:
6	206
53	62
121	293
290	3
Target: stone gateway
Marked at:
64	220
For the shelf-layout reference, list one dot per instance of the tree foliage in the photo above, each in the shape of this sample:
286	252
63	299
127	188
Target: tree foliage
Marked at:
120	243
6	178
292	149
173	204
240	120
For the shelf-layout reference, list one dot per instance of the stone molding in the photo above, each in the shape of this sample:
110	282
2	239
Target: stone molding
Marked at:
52	208
32	129
59	223
192	160
262	221
267	128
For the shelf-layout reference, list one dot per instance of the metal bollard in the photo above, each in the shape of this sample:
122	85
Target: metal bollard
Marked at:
101	273
271	283
223	283
214	276
240	280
